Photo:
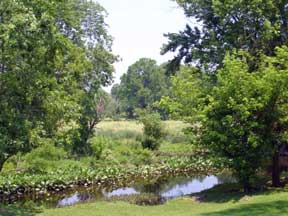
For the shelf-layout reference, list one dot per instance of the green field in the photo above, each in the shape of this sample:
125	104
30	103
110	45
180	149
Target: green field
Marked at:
126	132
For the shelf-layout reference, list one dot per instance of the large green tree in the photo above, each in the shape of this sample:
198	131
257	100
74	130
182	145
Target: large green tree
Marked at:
143	84
242	118
94	106
52	55
257	26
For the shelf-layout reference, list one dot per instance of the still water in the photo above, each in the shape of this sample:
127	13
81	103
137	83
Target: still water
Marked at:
165	188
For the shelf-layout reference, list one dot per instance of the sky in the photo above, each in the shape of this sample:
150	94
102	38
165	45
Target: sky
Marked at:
137	27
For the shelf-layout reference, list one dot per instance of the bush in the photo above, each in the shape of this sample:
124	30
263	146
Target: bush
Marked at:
141	156
44	158
98	144
68	137
153	130
150	142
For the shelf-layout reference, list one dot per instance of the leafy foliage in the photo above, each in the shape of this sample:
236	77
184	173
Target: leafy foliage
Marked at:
98	144
144	84
188	93
242	119
93	111
44	158
257	26
73	176
53	56
153	130
249	30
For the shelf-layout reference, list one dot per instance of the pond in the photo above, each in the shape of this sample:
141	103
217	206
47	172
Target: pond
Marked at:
155	191
165	188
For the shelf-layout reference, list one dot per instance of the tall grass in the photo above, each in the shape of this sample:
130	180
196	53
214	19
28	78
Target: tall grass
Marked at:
119	129
120	145
132	129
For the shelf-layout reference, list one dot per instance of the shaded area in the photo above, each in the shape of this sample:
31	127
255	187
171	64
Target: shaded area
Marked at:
265	208
29	209
228	192
233	192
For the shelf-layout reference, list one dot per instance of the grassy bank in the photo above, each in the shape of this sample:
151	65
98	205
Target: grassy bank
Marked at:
218	202
271	203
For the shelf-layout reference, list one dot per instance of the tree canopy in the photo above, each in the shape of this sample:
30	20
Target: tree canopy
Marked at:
257	26
242	118
143	84
52	55
240	108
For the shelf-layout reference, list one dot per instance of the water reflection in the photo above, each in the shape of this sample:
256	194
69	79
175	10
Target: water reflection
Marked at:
165	188
120	192
193	186
75	198
70	200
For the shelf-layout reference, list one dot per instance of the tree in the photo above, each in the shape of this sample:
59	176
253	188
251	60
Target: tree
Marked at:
51	54
257	26
243	118
93	111
144	84
188	94
153	129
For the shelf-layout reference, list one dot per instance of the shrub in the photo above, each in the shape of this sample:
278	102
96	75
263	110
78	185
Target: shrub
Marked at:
44	158
153	130
141	156
98	144
150	142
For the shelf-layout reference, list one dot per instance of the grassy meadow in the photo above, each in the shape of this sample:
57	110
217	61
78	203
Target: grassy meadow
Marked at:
129	132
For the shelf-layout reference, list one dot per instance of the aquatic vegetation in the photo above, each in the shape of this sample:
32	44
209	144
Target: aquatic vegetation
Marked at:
17	185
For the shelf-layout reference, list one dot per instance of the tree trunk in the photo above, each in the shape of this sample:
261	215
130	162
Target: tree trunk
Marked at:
247	187
1	165
276	170
2	161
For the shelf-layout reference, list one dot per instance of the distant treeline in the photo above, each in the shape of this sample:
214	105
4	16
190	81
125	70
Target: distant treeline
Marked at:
144	84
